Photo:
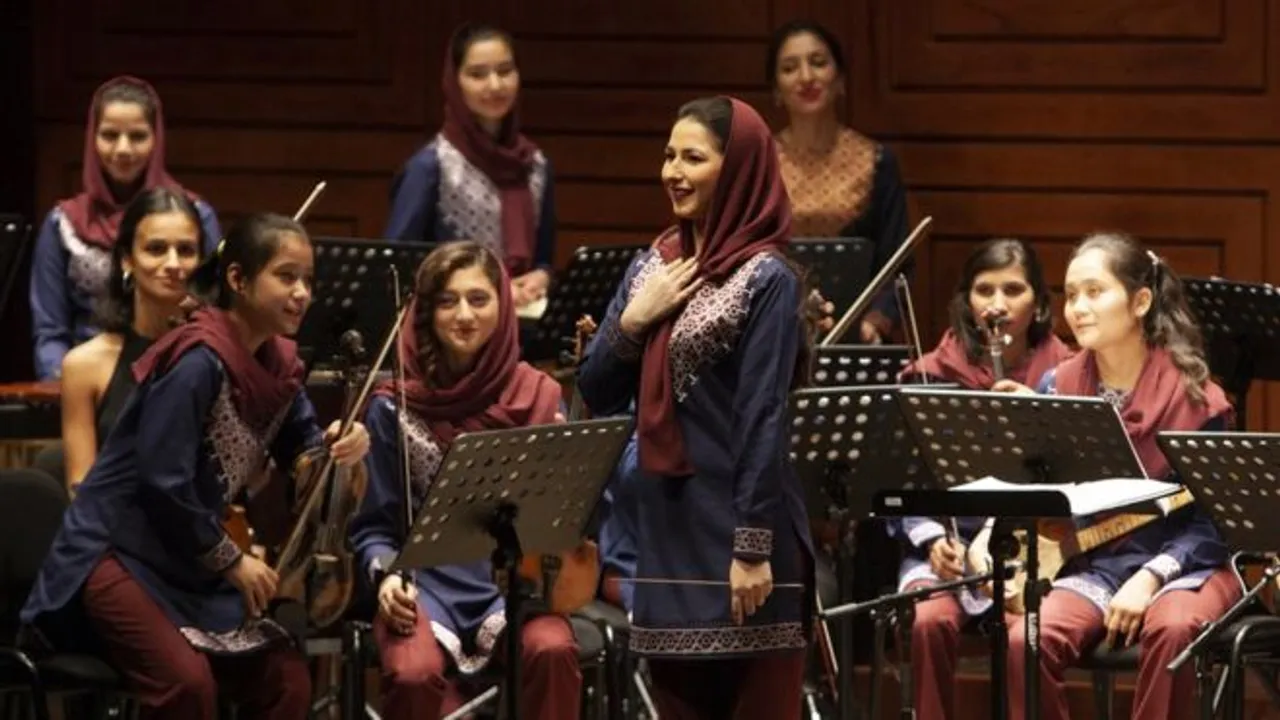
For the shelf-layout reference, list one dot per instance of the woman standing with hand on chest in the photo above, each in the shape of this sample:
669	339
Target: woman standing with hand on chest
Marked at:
706	336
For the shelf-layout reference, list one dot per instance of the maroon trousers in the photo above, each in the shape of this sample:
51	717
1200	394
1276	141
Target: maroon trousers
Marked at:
1071	625
173	679
413	667
765	687
935	643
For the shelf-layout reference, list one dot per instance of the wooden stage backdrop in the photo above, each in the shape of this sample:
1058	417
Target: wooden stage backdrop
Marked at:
1040	120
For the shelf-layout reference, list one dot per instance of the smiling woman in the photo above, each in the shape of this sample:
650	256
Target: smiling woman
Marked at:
161	241
480	178
124	155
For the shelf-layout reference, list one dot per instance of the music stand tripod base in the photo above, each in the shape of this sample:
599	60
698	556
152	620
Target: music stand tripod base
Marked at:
503	494
964	436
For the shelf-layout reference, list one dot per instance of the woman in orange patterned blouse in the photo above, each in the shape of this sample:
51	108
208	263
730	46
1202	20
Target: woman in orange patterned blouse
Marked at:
841	183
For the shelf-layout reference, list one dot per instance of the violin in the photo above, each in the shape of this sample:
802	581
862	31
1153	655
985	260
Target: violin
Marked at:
235	518
573	576
316	565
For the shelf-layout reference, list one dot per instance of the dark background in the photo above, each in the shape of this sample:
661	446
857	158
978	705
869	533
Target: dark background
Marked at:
1041	120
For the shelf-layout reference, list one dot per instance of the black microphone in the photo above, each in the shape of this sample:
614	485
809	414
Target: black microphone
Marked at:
352	343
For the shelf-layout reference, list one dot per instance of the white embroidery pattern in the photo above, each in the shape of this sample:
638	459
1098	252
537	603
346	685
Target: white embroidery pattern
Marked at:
709	326
469	201
88	266
486	638
254	634
425	456
240	452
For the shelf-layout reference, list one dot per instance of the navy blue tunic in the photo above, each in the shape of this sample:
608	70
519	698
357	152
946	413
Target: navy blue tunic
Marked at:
440	196
733	353
155	498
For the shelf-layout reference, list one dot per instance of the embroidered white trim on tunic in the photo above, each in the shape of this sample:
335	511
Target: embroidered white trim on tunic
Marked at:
239	451
222	555
753	541
1165	566
924	532
252	636
1094	593
717	641
486	639
470	203
709	325
88	266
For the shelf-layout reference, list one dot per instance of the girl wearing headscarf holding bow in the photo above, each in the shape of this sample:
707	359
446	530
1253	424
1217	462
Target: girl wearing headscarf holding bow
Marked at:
1142	351
124	154
142	570
463	373
706	334
481	179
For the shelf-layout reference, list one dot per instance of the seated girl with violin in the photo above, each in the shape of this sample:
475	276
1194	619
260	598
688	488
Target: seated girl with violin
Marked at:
1142	351
142	570
462	372
161	242
1001	327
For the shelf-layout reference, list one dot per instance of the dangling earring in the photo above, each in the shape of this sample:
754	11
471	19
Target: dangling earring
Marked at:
126	281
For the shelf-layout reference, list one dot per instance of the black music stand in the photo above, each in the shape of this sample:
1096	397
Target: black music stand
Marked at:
1241	324
840	267
353	291
502	494
858	365
585	287
1235	478
964	436
838	434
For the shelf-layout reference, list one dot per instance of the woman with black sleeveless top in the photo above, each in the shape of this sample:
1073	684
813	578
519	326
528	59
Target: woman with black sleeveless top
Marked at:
161	237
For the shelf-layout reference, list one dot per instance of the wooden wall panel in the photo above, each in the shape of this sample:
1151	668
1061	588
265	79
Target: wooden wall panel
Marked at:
1034	119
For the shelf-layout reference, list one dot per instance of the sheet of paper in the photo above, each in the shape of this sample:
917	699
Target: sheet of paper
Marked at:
1087	498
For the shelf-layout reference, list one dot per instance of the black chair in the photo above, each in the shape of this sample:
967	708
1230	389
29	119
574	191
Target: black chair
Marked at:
51	461
31	507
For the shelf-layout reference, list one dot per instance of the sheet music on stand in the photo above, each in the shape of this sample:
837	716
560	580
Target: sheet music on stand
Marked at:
353	291
840	267
585	287
965	436
1241	326
503	494
858	365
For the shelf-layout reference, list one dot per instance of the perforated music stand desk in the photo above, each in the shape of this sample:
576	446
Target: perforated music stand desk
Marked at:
964	436
846	442
15	236
503	494
840	266
585	287
1241	325
354	291
1235	478
858	365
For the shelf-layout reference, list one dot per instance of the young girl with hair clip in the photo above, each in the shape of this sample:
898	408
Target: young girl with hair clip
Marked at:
161	242
705	335
1142	351
124	155
480	178
1001	279
462	373
142	570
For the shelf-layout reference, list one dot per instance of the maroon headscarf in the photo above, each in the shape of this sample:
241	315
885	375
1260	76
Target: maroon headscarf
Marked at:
499	392
507	160
94	213
262	384
1158	403
950	362
750	213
